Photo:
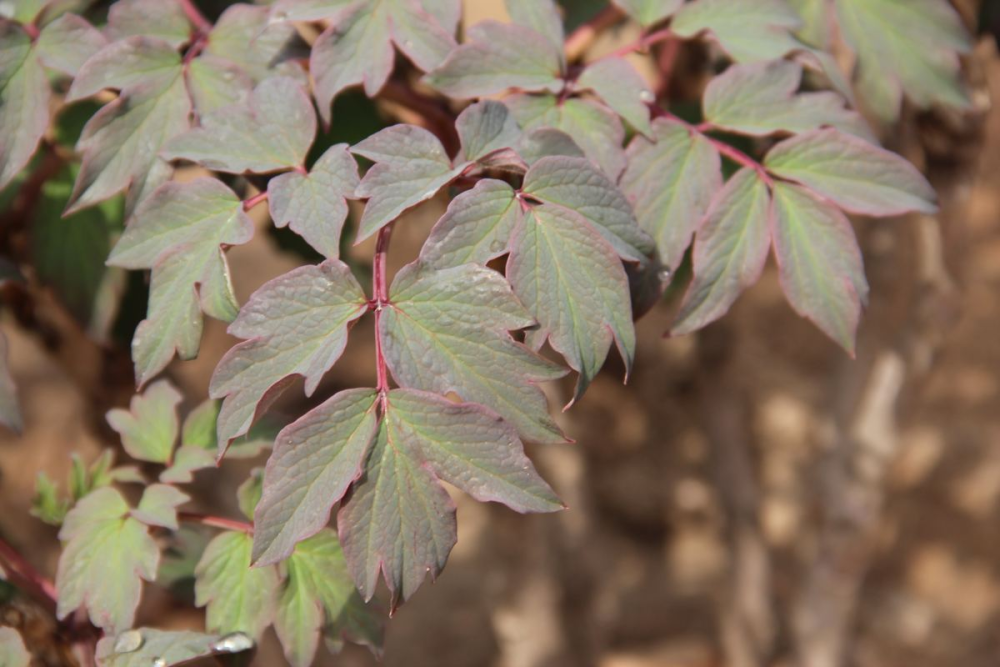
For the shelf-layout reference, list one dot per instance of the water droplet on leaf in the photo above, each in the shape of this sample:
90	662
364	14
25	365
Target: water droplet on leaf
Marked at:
128	641
160	662
496	245
664	275
234	642
647	97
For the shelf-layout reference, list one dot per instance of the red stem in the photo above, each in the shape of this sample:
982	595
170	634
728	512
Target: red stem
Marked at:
32	30
253	201
734	154
215	521
201	24
380	285
26	577
579	40
643	44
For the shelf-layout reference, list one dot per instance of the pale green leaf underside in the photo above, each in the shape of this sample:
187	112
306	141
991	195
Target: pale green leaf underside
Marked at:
543	17
66	43
485	127
150	18
476	227
158	506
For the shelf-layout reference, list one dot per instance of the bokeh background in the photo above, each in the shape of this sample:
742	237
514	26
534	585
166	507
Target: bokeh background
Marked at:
751	498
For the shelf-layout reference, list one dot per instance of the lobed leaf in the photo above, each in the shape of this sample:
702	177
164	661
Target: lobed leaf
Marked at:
154	647
158	506
163	20
760	30
622	88
649	12
476	227
10	411
484	128
67	43
24	101
149	428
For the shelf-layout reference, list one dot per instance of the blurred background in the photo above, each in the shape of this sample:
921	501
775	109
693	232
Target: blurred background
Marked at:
751	498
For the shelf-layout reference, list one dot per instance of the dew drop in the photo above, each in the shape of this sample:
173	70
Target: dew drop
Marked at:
664	275
234	642
128	641
646	97
160	662
278	17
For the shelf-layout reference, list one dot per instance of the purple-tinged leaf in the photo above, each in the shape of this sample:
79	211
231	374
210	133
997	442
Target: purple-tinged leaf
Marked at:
622	88
12	648
179	232
484	128
574	184
758	30
296	324
103	543
570	278
67	43
24	101
216	82
10	411
547	142
158	506
245	36
670	183
498	57
819	262
543	17
435	338
159	173
314	205
270	132
314	462
760	99
239	598
476	227
852	173
130	63
168	647
729	252
595	128
149	427
649	12
411	166
162	19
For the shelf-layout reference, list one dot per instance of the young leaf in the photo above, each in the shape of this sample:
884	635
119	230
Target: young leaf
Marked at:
46	504
153	647
760	30
101	544
852	173
570	278
296	324
12	649
476	227
149	428
435	338
66	43
670	182
759	99
622	88
729	253
271	131
498	57
314	462
24	101
150	18
239	598
10	411
819	262
314	205
649	12
484	128
541	16
410	167
158	506
179	232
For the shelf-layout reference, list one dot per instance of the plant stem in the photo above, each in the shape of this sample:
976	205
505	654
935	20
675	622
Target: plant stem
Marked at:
253	201
202	24
581	38
215	521
380	286
643	43
24	576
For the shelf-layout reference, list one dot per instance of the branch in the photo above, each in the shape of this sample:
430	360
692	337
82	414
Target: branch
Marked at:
202	24
253	201
581	39
215	521
24	576
381	287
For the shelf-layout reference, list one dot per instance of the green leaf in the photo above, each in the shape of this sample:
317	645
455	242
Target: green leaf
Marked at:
215	83
314	462
23	11
101	544
179	232
729	253
819	262
10	411
541	16
249	492
649	12
67	43
816	26
760	99
320	594
24	101
759	30
435	338
411	166
12	649
852	173
271	131
905	47
158	506
476	227
498	57
570	278
149	428
150	18
153	647
239	598
46	503
296	324
622	88
198	444
484	128
670	182
314	205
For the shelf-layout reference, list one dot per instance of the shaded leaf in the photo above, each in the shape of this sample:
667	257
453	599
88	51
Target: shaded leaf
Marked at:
24	101
476	227
149	427
66	43
760	30
649	12
168	647
237	597
162	19
248	493
486	127
622	88
158	506
46	504
10	411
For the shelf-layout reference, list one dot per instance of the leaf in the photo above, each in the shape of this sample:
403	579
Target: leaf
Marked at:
670	182
314	205
649	12
179	232
541	16
12	649
248	493
150	18
46	504
357	47
597	130
239	598
398	519
23	11
158	506
24	101
149	428
852	173
155	647
498	57
320	593
569	277
816	26
66	43
546	142
101	544
476	227
574	184
215	83
484	128
314	462
411	166
245	36
435	337
137	61
909	48
819	262
760	30
759	99
297	324
622	88
271	131
729	252
10	411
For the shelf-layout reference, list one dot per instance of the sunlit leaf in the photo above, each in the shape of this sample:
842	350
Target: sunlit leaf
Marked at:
541	16
136	61
153	647
215	83
148	429
486	127
12	649
238	598
162	19
245	36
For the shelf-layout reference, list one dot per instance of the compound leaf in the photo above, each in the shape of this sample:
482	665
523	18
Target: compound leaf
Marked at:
24	101
649	12
296	324
314	204
12	648
541	16
476	227
10	411
760	30
622	88
852	173
66	43
103	543
147	646
158	506
149	428
729	252
484	128
239	598
164	20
